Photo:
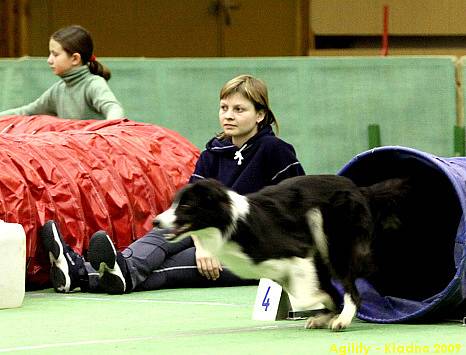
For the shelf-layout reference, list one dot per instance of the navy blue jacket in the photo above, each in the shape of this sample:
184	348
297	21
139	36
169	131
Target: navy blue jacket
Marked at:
263	160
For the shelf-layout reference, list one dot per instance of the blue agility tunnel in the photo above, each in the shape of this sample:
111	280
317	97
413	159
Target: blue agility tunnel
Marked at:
420	267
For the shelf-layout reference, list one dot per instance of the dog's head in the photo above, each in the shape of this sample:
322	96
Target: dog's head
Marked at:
197	206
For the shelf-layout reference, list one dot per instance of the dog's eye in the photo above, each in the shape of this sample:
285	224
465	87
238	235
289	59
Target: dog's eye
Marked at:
184	206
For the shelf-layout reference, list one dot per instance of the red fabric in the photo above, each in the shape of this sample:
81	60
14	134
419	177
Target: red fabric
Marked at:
88	175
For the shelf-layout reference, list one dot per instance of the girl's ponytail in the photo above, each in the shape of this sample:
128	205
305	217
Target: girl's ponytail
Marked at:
99	69
76	39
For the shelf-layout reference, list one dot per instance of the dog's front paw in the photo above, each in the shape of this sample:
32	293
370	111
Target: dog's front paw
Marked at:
339	323
319	321
343	320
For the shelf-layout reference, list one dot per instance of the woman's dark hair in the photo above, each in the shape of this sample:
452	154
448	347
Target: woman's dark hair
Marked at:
76	39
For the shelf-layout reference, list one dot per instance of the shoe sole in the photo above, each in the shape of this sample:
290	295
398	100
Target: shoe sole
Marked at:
112	284
102	256
59	271
101	250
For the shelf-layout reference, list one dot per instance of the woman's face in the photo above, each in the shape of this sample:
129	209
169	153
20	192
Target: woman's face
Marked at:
239	118
59	60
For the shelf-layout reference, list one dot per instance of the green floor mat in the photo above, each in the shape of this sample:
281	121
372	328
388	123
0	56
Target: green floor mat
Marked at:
197	321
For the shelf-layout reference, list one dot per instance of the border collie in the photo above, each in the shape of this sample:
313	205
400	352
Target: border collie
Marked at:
301	233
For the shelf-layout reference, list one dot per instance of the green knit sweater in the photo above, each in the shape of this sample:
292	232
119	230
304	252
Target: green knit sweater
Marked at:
79	95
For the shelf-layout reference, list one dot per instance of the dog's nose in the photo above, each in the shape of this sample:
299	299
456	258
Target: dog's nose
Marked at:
156	223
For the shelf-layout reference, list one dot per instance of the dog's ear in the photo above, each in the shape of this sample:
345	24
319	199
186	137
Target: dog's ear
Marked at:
210	190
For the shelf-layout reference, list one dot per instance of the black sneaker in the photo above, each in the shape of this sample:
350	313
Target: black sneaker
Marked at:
105	259
67	267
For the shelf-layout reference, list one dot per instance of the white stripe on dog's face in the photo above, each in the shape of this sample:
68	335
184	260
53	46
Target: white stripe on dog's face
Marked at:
167	219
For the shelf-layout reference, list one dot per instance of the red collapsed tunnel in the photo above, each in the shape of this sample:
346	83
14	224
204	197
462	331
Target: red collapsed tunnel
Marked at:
87	175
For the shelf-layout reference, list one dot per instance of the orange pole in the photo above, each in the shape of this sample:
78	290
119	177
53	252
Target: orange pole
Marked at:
385	31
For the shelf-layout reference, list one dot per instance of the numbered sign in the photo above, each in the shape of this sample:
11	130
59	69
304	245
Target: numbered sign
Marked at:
271	301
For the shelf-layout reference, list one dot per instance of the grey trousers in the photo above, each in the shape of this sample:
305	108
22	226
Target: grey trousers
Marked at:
153	263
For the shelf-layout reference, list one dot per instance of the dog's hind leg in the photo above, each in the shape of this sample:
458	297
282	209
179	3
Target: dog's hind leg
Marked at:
334	321
328	295
323	319
350	299
305	292
319	321
304	288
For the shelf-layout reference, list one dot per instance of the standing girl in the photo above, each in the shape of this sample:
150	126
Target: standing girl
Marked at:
83	92
245	156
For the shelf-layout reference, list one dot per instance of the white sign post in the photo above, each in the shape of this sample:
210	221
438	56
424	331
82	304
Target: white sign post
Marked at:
271	303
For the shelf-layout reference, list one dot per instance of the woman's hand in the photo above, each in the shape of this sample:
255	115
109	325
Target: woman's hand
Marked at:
207	264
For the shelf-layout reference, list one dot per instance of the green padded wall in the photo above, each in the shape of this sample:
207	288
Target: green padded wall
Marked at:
23	80
324	105
460	137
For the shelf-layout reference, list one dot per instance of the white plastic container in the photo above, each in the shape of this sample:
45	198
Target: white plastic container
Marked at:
12	264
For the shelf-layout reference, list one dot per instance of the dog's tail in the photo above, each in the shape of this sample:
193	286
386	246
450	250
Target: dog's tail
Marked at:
387	192
386	199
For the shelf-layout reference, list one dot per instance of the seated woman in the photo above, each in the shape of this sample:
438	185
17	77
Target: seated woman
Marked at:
245	156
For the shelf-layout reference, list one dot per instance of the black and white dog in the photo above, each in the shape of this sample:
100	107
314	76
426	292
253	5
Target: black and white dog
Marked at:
301	233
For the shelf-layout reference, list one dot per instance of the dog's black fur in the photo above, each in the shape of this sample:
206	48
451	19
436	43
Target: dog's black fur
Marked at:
302	233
